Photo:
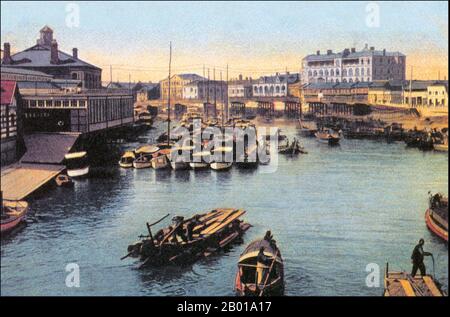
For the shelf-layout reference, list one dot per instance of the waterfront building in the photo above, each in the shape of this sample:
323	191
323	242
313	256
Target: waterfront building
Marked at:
240	88
19	74
385	93
177	83
206	90
45	57
354	66
438	94
274	86
11	126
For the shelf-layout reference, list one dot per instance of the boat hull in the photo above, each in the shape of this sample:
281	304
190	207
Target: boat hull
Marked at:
198	165
81	172
221	166
140	165
433	225
20	209
179	165
160	162
441	147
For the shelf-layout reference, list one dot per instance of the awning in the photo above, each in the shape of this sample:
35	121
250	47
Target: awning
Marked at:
48	148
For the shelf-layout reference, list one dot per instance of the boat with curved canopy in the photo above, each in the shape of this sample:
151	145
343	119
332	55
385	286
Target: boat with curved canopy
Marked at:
12	214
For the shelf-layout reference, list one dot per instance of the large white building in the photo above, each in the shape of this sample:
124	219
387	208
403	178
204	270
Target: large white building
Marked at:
353	66
204	90
274	86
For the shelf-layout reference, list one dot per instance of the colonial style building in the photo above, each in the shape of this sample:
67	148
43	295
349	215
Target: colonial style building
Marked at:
241	88
45	57
177	83
353	66
207	91
274	86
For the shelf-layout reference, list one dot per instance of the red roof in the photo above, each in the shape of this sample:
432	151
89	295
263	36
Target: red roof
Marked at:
8	88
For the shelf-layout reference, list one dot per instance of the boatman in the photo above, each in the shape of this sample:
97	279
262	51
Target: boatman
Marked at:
262	263
417	259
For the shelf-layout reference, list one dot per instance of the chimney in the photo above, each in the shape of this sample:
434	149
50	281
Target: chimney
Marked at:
346	51
372	48
384	52
240	76
75	53
353	50
318	52
329	52
6	54
54	53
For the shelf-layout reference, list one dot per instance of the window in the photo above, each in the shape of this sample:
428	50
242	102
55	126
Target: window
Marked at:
357	72
344	72
315	73
350	72
332	72
321	73
337	72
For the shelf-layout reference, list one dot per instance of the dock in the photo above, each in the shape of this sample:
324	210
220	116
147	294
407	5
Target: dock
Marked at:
20	180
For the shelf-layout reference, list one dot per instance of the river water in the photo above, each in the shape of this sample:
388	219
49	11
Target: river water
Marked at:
332	211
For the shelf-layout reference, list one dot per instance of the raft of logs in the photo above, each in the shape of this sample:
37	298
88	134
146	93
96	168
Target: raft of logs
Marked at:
188	240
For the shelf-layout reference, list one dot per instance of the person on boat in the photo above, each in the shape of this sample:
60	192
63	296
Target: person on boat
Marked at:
178	232
262	263
417	259
191	225
269	238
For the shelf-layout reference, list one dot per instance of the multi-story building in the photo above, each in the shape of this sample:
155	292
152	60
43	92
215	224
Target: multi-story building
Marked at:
240	88
177	83
46	58
353	66
207	91
438	94
11	131
274	86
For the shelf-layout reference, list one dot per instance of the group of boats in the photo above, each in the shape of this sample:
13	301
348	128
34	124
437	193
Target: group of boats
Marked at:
260	266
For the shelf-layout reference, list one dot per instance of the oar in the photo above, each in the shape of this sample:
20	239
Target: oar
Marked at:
126	256
268	273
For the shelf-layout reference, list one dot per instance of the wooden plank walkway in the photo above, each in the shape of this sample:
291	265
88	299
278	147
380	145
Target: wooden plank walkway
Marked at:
20	180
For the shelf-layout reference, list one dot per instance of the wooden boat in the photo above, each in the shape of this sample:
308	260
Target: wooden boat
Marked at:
249	159
77	164
126	161
145	118
220	164
160	159
292	148
271	283
200	160
403	284
178	158
64	180
440	147
436	216
188	240
144	156
329	137
12	214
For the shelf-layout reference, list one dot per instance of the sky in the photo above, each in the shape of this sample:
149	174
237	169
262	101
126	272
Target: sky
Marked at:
253	38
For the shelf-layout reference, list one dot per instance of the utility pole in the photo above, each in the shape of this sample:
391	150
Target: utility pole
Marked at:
221	97
215	91
168	99
410	87
226	97
110	74
207	92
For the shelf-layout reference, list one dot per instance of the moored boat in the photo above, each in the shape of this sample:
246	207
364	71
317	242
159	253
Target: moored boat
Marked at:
144	156
77	164
126	161
12	214
260	269
200	160
330	137
440	147
436	216
188	240
160	160
63	180
403	284
219	159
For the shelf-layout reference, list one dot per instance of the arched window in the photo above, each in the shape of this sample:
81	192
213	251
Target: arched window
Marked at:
315	73
337	71
320	72
260	89
357	72
344	80
350	72
362	71
266	89
271	90
326	72
283	88
344	72
277	89
350	80
332	72
256	89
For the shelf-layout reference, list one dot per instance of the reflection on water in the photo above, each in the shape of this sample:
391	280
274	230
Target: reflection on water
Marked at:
332	212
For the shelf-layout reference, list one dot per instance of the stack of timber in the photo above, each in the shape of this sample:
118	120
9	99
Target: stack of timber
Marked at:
186	241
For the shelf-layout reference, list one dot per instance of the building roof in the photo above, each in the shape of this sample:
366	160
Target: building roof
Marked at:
39	56
37	85
7	89
280	78
20	71
190	77
349	55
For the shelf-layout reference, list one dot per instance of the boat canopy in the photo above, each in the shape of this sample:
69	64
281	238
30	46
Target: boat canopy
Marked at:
75	155
128	154
252	250
147	149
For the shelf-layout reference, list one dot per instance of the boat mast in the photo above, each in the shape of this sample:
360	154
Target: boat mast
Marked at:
226	97
221	96
168	96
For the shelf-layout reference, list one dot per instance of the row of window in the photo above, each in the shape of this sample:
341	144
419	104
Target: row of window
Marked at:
66	103
419	101
267	89
345	72
8	122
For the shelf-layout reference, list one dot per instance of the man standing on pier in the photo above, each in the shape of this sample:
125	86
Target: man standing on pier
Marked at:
417	259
